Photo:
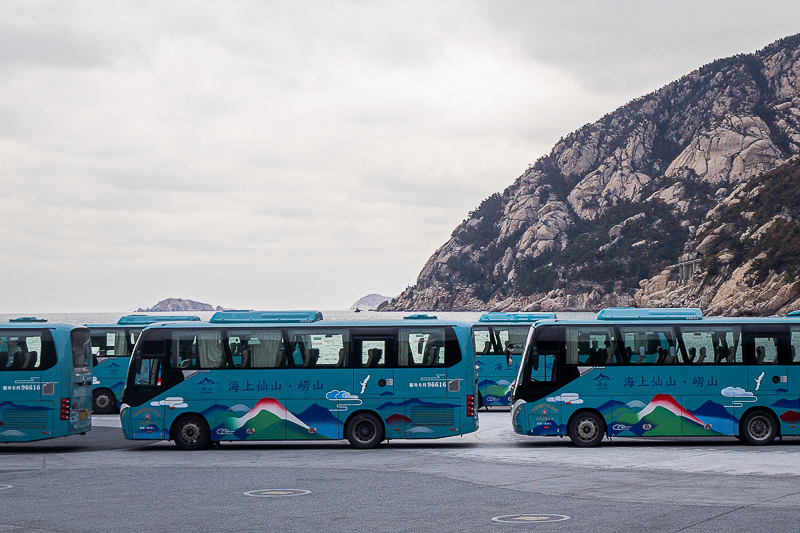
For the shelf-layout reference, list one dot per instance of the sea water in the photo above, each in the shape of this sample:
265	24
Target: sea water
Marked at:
333	315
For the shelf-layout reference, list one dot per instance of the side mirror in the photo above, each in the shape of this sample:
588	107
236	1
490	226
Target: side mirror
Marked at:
509	352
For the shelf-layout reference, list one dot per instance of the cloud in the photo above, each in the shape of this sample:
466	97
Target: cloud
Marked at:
735	392
350	138
172	403
568	398
340	395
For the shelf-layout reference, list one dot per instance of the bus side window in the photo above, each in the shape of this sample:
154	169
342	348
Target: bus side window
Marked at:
650	345
794	346
720	345
549	348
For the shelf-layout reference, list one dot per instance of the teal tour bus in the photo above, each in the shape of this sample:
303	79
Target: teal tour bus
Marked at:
45	380
660	372
112	345
499	339
254	375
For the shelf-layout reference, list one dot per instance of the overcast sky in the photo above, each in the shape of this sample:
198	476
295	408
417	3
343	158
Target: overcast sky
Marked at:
286	155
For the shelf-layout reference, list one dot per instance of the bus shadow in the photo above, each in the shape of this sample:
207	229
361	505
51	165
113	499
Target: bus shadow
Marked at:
662	442
237	446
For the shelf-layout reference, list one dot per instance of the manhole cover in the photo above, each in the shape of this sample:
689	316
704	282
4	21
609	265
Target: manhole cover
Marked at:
530	518
276	493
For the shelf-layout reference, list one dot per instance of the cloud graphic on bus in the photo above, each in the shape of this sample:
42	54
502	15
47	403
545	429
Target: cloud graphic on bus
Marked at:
172	403
568	398
340	395
343	399
730	392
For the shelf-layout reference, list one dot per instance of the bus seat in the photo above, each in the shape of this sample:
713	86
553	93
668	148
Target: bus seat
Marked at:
340	362
760	353
30	360
487	347
660	356
245	358
374	357
692	354
17	360
281	359
312	355
702	356
609	355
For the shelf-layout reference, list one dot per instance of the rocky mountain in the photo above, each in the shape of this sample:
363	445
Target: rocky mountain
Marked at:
179	304
370	301
680	197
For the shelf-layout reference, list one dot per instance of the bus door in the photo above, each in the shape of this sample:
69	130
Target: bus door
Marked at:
81	395
543	376
144	384
373	376
767	349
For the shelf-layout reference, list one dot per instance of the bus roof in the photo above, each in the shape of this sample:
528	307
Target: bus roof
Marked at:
144	320
515	317
635	313
663	316
265	317
305	319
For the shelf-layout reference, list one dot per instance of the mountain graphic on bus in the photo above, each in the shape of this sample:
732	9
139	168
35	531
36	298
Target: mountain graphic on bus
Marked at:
664	415
321	419
12	405
498	389
268	419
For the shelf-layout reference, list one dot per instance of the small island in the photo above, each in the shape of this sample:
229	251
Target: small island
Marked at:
369	302
179	304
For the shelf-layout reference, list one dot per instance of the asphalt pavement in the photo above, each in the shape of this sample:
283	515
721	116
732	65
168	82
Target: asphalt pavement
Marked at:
492	480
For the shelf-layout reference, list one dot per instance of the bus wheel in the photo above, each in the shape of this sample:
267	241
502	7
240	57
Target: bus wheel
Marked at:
759	428
103	401
191	433
364	430
586	429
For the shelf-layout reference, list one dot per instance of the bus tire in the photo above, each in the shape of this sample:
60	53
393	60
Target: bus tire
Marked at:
364	430
586	429
190	432
759	428
103	401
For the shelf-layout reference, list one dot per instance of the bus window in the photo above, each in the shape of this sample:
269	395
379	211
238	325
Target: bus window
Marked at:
30	350
548	349
421	348
81	349
147	372
712	345
592	346
109	343
794	347
197	349
259	348
319	349
649	345
482	341
766	349
373	353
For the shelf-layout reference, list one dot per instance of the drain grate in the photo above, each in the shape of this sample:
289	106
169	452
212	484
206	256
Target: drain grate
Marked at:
530	518
276	493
